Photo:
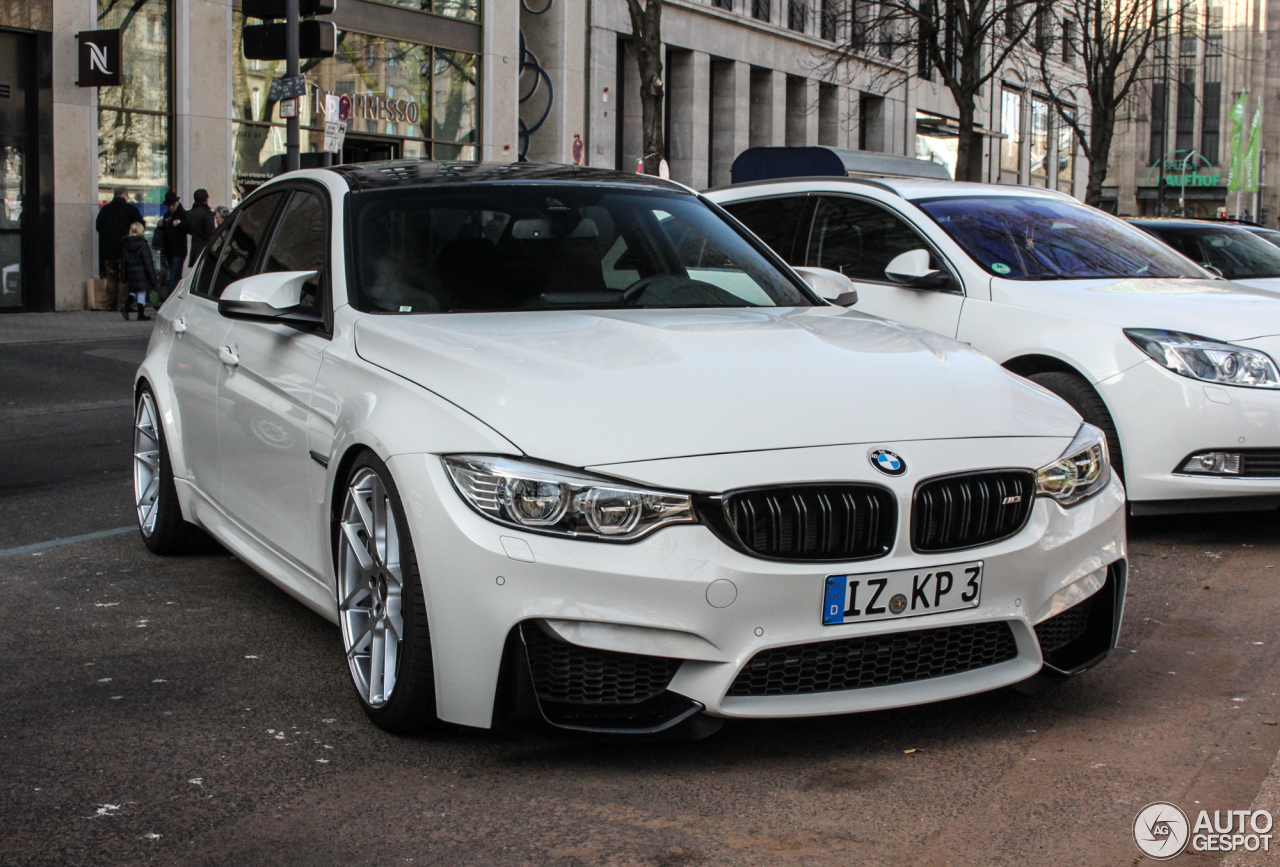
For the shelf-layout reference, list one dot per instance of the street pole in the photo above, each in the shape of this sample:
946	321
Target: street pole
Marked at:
1164	115
1182	196
292	149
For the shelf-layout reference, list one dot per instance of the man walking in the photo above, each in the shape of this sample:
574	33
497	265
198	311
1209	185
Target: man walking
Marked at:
200	224
171	239
114	220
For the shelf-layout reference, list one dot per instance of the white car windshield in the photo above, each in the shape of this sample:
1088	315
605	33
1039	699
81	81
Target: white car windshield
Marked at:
542	246
1051	239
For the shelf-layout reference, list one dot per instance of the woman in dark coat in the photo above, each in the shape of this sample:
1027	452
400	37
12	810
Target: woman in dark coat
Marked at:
138	270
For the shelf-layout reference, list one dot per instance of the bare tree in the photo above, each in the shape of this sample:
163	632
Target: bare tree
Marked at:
1113	54
646	28
963	42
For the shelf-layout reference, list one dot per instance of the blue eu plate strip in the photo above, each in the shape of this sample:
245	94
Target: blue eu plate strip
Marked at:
833	604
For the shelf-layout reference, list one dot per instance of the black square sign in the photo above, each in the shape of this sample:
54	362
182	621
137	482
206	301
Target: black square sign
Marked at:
100	58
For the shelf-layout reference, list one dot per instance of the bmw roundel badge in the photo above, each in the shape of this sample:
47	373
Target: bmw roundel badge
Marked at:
887	462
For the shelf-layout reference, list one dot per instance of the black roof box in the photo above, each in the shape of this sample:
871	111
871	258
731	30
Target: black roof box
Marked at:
767	163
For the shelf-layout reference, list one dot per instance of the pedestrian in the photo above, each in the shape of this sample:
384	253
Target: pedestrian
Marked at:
171	239
220	213
139	271
114	220
200	224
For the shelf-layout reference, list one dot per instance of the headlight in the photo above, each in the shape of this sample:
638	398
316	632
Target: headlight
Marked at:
1205	359
1082	471
563	503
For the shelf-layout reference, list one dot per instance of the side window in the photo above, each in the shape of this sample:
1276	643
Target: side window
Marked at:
244	242
301	243
773	221
859	239
208	261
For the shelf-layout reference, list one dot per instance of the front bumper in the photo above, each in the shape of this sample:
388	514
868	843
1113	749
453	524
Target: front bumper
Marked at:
665	596
1163	418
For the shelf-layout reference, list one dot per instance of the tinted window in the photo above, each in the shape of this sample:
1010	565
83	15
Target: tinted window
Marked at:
1051	239
244	242
1269	237
208	262
1234	252
301	243
547	247
859	239
773	221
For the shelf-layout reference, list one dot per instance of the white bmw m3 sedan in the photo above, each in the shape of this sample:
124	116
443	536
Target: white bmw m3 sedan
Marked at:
570	446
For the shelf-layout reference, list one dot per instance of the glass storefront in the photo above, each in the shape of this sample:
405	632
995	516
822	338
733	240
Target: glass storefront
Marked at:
135	119
1039	142
408	100
937	139
1011	128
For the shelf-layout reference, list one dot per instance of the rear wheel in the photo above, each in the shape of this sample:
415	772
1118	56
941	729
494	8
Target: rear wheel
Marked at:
1077	391
155	497
381	606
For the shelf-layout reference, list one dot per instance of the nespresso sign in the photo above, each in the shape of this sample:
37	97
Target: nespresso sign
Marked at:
99	58
371	106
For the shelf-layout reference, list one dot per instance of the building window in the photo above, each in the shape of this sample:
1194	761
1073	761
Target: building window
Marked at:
1011	129
1039	142
1211	119
937	140
760	10
1068	41
797	15
467	10
135	119
1066	152
723	4
871	122
408	100
830	18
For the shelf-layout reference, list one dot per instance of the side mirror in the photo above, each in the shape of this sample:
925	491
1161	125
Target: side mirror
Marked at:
912	270
829	285
274	297
1217	272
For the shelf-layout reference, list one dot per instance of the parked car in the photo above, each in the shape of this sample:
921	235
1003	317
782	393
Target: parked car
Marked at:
1239	253
1175	365
564	443
1271	236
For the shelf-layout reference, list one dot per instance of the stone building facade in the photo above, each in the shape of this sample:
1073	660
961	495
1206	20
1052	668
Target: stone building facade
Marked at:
449	79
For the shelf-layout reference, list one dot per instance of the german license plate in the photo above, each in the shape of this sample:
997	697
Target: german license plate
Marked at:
909	593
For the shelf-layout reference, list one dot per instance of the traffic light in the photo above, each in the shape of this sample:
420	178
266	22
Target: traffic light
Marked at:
267	41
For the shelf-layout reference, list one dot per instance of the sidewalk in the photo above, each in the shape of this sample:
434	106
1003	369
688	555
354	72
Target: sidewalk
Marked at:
72	325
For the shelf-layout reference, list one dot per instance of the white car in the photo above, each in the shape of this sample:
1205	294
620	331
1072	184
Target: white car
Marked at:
566	444
1176	365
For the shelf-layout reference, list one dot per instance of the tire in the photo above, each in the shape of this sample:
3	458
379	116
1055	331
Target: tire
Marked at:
164	531
381	607
1077	391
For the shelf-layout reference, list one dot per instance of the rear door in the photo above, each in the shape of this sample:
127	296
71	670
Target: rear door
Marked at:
859	238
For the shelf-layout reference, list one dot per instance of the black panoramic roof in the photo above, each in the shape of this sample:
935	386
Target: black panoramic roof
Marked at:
421	173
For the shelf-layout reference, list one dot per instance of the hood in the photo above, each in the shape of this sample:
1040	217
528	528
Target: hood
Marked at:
1270	285
592	388
1209	308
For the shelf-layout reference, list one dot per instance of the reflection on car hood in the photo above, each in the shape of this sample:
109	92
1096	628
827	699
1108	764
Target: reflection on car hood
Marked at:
1210	308
583	388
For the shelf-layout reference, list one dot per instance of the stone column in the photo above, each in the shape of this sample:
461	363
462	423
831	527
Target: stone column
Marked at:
499	80
602	100
202	100
559	41
75	145
689	75
632	112
730	116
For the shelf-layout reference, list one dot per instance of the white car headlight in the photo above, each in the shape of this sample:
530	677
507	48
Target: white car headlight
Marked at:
1082	471
543	499
1205	359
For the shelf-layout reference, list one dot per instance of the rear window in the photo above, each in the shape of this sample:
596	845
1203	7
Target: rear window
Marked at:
1051	239
538	247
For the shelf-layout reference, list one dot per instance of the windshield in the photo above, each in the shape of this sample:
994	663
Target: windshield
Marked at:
1051	239
539	247
1237	253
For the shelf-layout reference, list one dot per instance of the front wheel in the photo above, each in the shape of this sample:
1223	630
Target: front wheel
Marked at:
155	497
1077	391
381	606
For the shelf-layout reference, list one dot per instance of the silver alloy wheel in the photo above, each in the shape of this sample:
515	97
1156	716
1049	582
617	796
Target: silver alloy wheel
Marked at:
370	585
146	464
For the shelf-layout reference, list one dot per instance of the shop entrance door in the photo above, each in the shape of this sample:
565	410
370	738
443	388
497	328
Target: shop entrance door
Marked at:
14	60
368	150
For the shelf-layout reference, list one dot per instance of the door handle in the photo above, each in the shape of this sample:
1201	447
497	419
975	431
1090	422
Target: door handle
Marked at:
179	327
227	357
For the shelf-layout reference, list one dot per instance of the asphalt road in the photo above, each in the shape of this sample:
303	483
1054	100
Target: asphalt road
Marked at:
183	711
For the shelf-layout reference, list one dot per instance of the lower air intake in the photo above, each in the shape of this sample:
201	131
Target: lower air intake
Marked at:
879	660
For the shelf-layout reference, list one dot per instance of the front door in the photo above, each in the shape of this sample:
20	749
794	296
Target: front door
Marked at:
859	239
369	150
265	398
